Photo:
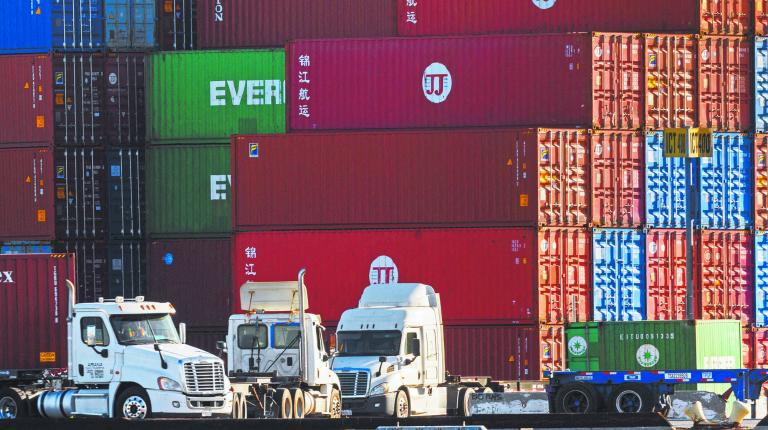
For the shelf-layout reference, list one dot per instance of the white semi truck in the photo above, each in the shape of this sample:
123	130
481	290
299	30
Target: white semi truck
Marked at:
276	358
391	356
125	359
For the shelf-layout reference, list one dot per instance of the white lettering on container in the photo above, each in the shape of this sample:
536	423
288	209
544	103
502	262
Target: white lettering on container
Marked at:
218	12
219	186
256	92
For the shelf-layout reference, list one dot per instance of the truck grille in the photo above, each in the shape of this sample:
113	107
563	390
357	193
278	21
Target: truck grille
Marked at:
353	384
204	377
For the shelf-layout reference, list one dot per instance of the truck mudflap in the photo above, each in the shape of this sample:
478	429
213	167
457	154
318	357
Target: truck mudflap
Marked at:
369	406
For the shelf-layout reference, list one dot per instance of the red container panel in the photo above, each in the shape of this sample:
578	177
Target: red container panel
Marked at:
665	274
618	178
26	194
33	310
760	347
565	261
670	81
436	17
195	275
410	179
761	181
725	276
748	336
26	111
761	17
504	352
725	83
466	81
272	23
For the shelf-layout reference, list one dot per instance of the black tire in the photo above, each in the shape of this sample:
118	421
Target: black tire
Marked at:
335	404
13	404
402	405
464	395
577	398
284	403
133	404
631	399
299	410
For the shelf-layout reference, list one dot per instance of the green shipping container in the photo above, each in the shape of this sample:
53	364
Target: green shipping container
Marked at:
206	96
189	191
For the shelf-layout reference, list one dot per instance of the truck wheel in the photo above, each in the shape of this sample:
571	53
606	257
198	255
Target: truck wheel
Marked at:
464	395
12	404
297	394
335	404
631	399
133	404
284	403
402	405
576	398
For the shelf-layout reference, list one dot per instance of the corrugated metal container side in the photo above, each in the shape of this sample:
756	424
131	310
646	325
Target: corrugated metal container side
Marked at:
25	115
726	275
504	352
78	107
271	23
453	261
34	310
205	338
761	278
748	336
26	196
176	29
665	274
436	17
189	191
618	278
127	268
571	79
70	25
665	193
565	264
498	177
618	178
126	210
760	348
129	24
194	275
80	193
671	81
761	17
761	84
725	83
230	92
761	181
26	247
726	183
125	99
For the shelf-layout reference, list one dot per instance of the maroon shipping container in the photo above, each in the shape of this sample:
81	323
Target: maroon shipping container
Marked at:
498	177
272	23
435	17
618	178
726	275
725	83
175	27
671	81
204	338
504	352
26	111
195	275
574	79
26	194
761	181
33	310
665	253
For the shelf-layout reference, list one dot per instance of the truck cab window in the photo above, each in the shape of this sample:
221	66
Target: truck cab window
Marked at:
102	337
252	336
409	342
319	335
285	336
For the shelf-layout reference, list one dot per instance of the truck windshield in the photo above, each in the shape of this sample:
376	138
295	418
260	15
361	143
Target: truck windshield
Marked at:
252	336
378	343
144	329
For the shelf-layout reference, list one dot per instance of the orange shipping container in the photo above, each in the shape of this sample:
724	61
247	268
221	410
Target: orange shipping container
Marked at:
761	17
726	275
761	181
670	79
725	83
618	184
565	262
665	274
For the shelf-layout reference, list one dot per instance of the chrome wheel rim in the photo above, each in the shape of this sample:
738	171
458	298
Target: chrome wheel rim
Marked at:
402	406
629	402
336	407
9	410
135	408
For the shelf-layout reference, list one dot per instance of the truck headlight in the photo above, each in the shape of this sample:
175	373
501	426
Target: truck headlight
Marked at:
380	389
168	384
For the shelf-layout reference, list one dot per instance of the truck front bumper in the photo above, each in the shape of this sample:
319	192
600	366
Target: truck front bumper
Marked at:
374	405
177	404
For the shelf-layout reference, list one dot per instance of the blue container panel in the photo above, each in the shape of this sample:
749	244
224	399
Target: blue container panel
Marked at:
761	278
25	26
618	275
761	84
26	247
78	25
130	24
726	183
665	196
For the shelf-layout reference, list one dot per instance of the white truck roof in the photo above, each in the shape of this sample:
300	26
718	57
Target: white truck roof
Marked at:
398	295
271	296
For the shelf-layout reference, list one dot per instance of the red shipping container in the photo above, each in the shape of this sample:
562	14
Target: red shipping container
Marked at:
194	275
760	347
436	17
725	83
761	181
665	274
26	194
26	111
748	346
475	177
574	79
272	23
564	286
671	81
33	310
618	178
726	275
761	17
504	352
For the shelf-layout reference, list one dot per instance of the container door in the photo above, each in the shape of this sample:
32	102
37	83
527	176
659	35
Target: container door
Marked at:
665	193
176	26
124	99
619	278
761	82
118	23
551	349
761	181
761	278
564	266
78	25
726	16
726	198
726	275
126	269
665	274
78	87
563	178
125	194
617	179
617	72
670	79
725	83
80	192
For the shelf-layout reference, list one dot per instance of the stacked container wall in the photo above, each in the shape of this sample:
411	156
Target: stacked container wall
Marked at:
245	23
726	275
45	25
26	115
436	17
126	211
617	178
564	262
670	80
761	181
130	24
126	268
194	275
761	84
34	310
498	177
665	273
725	83
230	92
665	191
26	194
726	183
618	286
176	29
761	278
188	191
575	79
80	193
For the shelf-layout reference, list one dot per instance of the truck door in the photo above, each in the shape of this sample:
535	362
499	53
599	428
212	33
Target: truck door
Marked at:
430	357
414	371
285	343
92	341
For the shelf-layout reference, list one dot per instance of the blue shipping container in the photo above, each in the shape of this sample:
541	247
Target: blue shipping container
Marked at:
761	278
130	24
26	247
30	26
726	183
618	275
665	195
761	84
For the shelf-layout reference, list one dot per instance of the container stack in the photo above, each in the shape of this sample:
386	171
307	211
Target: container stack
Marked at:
757	337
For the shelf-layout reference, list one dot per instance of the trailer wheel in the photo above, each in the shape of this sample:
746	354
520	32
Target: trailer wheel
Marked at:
631	399
12	404
576	398
133	404
464	395
335	404
297	394
284	403
402	405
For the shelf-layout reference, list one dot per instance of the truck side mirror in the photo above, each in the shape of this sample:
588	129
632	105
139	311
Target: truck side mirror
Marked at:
221	346
183	332
416	347
332	343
